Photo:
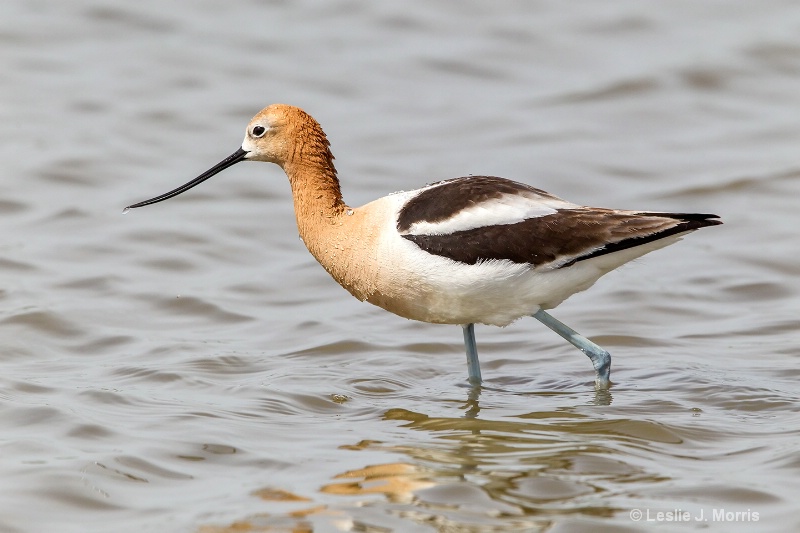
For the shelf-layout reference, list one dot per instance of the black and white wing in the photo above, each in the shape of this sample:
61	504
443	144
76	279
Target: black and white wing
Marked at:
482	218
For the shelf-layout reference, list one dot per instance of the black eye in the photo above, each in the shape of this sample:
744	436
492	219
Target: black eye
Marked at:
258	131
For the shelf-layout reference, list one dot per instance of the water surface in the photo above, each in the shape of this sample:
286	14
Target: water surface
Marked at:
189	367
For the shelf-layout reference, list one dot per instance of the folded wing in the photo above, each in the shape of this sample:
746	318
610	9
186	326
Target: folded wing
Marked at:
481	218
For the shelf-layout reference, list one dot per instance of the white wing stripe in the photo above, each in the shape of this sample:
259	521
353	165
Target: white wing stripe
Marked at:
507	209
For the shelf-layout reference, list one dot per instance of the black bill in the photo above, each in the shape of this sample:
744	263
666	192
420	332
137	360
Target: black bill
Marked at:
231	160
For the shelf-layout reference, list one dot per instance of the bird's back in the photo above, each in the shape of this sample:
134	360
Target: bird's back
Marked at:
490	250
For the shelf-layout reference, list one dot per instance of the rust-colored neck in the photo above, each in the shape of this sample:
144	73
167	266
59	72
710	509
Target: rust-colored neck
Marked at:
334	233
308	162
316	192
318	205
343	240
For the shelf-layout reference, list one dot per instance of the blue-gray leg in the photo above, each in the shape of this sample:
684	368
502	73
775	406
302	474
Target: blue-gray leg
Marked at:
473	365
601	359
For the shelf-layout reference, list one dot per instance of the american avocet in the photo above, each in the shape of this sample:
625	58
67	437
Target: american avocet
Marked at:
476	249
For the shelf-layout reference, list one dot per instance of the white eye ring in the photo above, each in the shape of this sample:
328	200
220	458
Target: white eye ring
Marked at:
258	131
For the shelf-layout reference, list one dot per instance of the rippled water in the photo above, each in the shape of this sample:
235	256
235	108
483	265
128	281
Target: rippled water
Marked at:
188	367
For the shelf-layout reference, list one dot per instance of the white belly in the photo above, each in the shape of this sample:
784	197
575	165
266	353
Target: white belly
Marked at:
421	286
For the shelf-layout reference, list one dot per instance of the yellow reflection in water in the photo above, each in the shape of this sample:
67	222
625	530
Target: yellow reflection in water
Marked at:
397	481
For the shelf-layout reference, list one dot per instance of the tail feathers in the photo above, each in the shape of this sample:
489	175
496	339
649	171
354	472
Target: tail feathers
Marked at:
692	220
689	222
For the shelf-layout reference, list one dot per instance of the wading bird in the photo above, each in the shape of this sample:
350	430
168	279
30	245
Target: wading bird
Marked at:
477	249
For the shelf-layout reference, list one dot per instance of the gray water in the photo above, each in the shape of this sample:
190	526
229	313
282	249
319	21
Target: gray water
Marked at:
188	367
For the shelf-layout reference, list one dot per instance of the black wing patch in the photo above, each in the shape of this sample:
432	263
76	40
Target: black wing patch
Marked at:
570	235
444	201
